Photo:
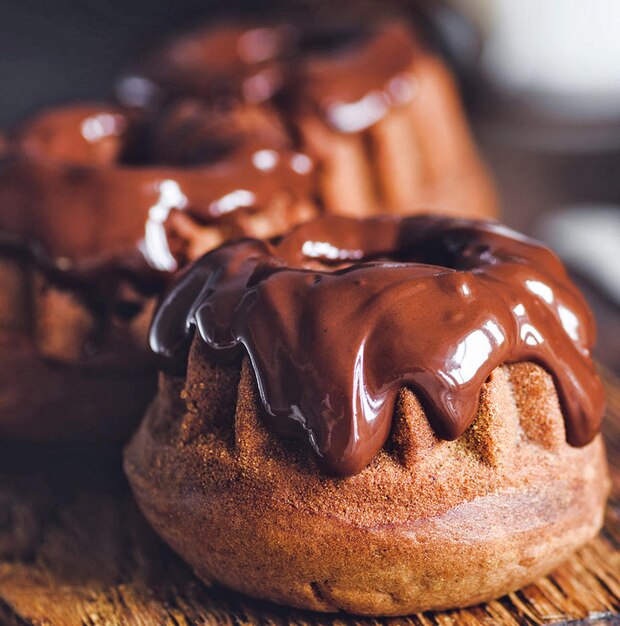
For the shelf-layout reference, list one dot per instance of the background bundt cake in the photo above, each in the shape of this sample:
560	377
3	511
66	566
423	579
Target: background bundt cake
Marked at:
391	444
98	206
363	93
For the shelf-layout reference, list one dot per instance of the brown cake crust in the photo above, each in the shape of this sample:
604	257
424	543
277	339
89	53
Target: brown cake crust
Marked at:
42	400
429	524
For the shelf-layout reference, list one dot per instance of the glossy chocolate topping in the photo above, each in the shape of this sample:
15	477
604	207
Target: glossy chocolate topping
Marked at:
351	76
340	314
92	190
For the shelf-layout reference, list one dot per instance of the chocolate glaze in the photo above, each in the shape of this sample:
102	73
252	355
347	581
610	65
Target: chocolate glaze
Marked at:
340	314
79	197
350	76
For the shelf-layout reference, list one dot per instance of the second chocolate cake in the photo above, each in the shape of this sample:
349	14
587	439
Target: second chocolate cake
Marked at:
249	130
376	107
98	207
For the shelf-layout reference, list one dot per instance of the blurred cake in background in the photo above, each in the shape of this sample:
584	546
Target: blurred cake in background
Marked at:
382	115
98	206
366	97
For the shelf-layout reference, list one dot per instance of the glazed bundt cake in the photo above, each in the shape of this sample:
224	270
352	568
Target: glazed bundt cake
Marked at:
377	416
378	110
98	206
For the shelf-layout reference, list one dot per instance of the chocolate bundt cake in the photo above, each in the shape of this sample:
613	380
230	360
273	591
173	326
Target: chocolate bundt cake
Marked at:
378	110
377	416
98	207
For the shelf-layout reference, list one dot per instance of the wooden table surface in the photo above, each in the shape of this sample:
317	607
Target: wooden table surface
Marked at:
75	551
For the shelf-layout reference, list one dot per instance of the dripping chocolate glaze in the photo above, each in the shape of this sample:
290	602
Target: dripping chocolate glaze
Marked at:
350	75
340	314
78	197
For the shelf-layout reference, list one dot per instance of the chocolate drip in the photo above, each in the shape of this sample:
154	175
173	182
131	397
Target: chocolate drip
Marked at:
340	314
92	193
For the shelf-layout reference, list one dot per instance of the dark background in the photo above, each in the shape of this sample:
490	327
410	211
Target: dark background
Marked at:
66	49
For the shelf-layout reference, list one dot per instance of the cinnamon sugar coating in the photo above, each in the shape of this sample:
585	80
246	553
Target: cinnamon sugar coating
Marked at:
428	524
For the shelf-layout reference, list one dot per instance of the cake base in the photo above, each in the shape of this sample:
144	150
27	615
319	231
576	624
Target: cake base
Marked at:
443	529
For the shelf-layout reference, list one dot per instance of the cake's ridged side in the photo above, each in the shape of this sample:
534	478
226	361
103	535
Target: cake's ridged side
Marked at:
429	524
